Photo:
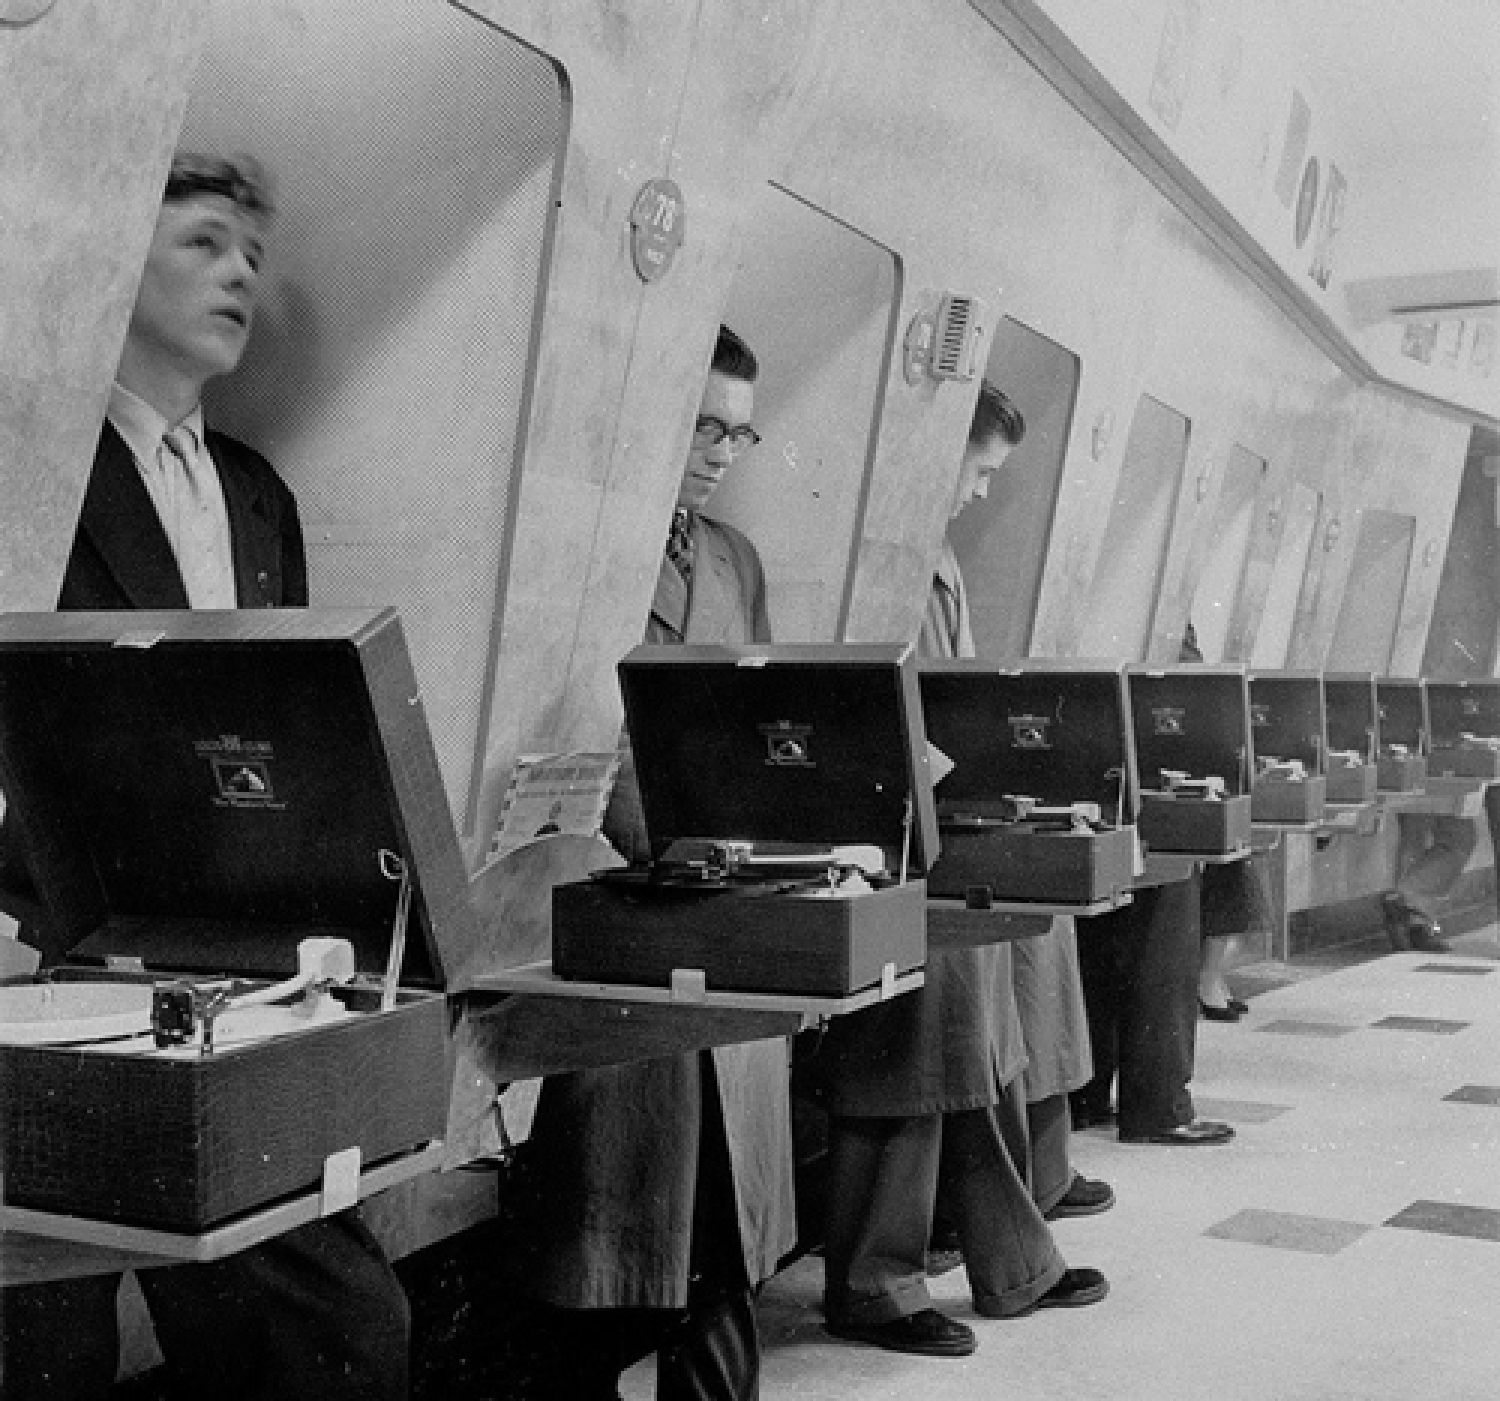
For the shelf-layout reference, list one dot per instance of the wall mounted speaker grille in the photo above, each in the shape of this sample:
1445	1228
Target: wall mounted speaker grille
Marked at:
955	338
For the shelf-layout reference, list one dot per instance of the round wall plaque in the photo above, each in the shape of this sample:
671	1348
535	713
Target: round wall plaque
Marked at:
23	11
657	223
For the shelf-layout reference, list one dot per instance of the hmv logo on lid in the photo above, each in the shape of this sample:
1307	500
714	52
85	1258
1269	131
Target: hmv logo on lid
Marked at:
788	745
242	772
1168	720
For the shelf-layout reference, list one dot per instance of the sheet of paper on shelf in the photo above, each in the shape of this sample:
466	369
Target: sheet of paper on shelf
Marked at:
554	793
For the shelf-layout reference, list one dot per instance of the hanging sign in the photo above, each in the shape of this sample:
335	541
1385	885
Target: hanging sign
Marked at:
657	221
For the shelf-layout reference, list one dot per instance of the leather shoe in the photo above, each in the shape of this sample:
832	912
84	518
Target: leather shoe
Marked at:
1086	1196
1076	1288
1199	1131
1408	928
1086	1118
1235	1005
926	1333
1211	1013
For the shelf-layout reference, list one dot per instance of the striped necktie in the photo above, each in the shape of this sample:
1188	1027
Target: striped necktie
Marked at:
680	544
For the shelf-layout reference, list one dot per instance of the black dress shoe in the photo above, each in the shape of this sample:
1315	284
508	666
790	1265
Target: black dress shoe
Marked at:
1086	1196
1211	1013
1085	1118
1199	1131
1235	1005
1408	928
1076	1288
927	1333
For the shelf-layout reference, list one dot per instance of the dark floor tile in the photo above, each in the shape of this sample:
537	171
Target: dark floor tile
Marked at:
1239	1111
1290	1027
1284	1230
1462	969
1449	1219
1476	1094
1437	1026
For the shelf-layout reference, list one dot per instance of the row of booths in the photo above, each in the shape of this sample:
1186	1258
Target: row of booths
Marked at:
213	807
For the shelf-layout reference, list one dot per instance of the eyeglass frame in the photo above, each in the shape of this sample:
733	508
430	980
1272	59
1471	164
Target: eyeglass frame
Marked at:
739	438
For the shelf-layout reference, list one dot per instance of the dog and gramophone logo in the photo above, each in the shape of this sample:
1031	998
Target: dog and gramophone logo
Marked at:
242	771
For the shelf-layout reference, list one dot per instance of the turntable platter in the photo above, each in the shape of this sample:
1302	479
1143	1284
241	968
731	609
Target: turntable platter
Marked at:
55	1014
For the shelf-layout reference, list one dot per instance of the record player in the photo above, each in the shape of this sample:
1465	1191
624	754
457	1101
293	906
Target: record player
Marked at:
1040	802
1351	726
1286	731
1465	718
1401	763
789	815
1191	725
237	824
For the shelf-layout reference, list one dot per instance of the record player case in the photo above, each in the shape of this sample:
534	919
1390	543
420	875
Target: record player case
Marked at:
792	749
1287	724
1193	720
1465	717
1056	733
195	794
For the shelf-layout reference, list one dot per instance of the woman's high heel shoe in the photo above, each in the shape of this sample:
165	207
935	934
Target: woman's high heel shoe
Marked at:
1218	1014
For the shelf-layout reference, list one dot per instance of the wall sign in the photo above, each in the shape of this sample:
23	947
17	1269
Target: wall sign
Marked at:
657	223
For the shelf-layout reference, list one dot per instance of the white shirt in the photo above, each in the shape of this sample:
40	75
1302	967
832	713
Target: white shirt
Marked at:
188	495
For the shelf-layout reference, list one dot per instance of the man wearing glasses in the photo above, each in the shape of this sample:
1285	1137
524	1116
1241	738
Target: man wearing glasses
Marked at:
664	1187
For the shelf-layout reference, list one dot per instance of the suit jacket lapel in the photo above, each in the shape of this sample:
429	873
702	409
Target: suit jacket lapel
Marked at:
252	534
123	526
717	611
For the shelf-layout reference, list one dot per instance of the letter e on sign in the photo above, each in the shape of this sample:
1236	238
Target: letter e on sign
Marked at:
657	220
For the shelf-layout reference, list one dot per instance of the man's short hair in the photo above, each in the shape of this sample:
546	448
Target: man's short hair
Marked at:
239	179
996	416
732	357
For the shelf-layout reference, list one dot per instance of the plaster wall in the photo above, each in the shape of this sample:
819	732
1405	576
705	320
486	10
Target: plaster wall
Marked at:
90	97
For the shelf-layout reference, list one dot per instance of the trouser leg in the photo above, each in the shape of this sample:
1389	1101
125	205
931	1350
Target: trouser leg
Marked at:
1048	1125
1434	860
317	1313
1492	816
882	1185
1009	1253
59	1341
1159	1017
1100	955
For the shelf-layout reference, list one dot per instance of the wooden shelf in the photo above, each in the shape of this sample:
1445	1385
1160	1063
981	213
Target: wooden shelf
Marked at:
81	1245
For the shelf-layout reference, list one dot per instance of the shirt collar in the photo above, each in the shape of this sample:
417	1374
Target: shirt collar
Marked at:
142	426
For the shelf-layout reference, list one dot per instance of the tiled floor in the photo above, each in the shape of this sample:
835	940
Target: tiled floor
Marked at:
1346	1246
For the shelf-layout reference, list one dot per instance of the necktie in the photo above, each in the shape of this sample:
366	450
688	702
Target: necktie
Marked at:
197	531
680	544
947	600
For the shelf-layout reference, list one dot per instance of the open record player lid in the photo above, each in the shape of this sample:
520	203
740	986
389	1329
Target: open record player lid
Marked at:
806	745
1058	732
1193	718
1403	718
1287	717
1457	708
202	790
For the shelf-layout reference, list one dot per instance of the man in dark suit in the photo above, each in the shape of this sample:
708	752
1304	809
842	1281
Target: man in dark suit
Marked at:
178	516
665	1186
